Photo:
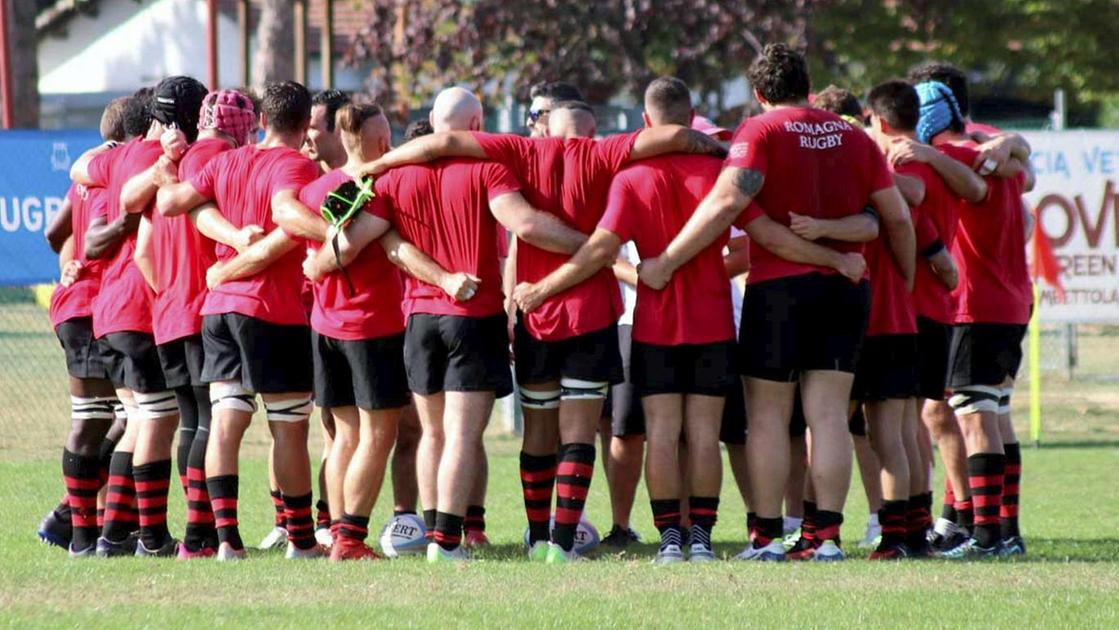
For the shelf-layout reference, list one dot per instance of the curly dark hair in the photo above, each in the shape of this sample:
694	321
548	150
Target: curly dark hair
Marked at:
138	113
286	105
947	74
780	75
417	128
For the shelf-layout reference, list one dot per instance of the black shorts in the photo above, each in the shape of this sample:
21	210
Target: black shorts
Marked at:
457	354
592	357
182	360
132	361
266	358
701	369
627	417
887	369
733	428
985	354
83	355
934	340
802	323
368	373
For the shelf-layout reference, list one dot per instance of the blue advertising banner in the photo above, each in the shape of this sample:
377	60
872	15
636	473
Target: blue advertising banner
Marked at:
34	177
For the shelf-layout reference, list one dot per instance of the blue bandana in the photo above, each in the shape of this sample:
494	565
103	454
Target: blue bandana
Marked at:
938	109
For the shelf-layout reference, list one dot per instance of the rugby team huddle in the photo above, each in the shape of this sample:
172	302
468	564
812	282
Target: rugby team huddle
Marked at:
830	270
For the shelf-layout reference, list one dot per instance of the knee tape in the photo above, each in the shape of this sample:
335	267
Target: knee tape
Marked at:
119	411
232	396
154	406
290	410
1004	400
91	408
975	399
575	389
540	400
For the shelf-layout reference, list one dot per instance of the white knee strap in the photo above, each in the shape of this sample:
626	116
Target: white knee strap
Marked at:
91	408
232	396
575	389
1004	400
290	410
549	399
975	399
119	410
157	405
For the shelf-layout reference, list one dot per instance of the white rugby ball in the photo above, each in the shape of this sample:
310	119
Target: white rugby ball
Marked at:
403	535
586	535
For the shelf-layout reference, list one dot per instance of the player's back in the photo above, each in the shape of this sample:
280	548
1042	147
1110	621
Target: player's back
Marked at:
939	208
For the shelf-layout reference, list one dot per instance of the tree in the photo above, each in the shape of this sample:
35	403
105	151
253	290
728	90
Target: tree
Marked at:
22	45
275	43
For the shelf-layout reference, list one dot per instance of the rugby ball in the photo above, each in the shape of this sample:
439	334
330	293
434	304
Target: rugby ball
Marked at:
586	535
403	535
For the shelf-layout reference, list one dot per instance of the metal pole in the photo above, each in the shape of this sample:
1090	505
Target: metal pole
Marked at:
326	48
243	35
212	44
301	41
6	68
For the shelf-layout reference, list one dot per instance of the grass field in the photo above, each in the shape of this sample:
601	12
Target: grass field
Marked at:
1070	507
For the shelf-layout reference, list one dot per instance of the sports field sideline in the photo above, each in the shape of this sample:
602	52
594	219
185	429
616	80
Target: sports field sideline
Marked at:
1071	576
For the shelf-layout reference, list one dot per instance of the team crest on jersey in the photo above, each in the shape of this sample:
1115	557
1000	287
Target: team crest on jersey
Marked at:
738	150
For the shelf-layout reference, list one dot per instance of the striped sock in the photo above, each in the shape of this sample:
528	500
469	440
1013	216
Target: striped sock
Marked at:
121	517
429	525
891	516
538	476
82	478
153	481
280	518
1008	511
948	509
828	525
704	513
448	530
808	525
475	519
918	519
666	516
353	527
985	477
573	481
301	526
766	530
223	499
322	516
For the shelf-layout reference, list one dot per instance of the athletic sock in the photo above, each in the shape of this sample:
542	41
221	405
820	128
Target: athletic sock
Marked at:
353	527
1008	511
573	481
153	481
322	517
948	509
767	530
751	521
223	499
666	517
280	519
448	530
82	478
188	430
808	525
335	528
965	515
985	477
105	459
827	525
918	519
891	516
475	519
200	530
100	518
704	513
301	527
538	476
429	525
121	517
396	513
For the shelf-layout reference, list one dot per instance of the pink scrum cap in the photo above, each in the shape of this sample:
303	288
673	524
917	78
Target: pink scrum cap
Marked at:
699	123
229	112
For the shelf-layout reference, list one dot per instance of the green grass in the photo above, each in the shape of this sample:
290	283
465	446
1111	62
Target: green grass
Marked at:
1070	508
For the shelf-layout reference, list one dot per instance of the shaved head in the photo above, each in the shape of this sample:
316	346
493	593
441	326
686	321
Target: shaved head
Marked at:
572	119
456	109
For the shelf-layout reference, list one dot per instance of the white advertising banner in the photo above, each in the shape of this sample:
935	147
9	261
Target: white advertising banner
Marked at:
1077	200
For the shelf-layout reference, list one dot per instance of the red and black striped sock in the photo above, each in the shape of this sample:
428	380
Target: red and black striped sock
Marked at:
121	516
948	509
223	491
538	476
429	525
891	516
767	530
666	517
322	516
448	530
353	527
985	477
918	519
475	519
188	431
808	525
200	529
280	518
153	482
1008	511
82	477
573	482
301	526
100	518
828	525
704	513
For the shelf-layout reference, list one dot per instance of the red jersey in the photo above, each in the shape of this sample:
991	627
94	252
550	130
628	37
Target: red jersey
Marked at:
76	300
181	256
124	300
443	209
938	212
823	167
243	182
650	201
585	174
373	309
990	251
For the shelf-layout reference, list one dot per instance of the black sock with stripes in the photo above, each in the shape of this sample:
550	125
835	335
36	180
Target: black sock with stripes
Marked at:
448	530
666	517
188	430
1008	510
704	513
573	482
353	527
538	480
475	519
223	491
301	525
83	480
429	525
985	477
121	515
280	518
153	482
